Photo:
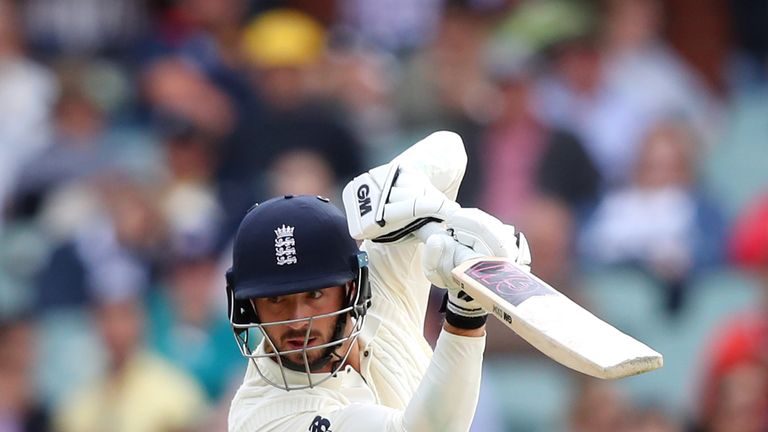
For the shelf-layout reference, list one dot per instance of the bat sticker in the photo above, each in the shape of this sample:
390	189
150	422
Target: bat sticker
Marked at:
507	281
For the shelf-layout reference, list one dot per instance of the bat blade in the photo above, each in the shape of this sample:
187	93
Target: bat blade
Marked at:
552	322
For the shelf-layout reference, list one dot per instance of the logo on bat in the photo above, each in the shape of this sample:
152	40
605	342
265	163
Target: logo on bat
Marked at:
508	282
499	312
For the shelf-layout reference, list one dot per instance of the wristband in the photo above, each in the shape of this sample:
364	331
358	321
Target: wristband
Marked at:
458	320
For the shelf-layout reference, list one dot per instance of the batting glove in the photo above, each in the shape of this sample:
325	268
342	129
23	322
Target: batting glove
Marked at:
391	201
471	233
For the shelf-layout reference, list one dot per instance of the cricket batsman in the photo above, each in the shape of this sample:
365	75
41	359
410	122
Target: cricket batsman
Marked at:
333	333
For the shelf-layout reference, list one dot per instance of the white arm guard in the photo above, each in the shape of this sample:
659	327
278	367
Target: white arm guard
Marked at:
418	186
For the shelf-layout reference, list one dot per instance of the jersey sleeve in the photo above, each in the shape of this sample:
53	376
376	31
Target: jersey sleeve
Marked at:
398	286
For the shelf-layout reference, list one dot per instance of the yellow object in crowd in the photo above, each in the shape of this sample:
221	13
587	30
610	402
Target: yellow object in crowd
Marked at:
282	38
149	395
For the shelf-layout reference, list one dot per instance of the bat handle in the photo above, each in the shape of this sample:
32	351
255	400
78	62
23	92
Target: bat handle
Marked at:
463	253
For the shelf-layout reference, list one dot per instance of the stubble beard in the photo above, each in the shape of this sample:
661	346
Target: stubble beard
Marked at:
317	358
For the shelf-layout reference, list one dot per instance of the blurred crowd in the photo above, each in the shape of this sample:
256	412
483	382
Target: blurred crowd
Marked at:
134	135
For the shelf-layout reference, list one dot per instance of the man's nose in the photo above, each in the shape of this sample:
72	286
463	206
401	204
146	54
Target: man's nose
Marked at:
299	309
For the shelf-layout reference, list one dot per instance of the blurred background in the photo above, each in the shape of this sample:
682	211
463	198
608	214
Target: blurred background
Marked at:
627	138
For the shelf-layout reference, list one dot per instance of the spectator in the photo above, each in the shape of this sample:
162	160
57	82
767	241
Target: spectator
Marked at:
734	386
77	149
138	392
187	325
661	221
574	94
578	99
27	94
282	48
188	199
522	157
636	53
127	229
513	145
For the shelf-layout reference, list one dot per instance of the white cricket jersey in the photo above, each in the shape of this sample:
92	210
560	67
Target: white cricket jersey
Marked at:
394	357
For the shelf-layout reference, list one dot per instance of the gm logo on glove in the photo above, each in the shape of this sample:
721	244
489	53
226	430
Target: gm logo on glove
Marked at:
363	200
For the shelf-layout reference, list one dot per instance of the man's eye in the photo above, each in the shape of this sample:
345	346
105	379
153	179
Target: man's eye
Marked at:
273	299
316	294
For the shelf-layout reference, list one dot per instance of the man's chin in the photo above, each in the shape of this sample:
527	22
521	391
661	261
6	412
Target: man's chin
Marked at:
296	362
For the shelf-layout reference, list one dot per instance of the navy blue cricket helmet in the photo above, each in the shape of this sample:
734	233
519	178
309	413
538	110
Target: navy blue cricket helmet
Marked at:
293	244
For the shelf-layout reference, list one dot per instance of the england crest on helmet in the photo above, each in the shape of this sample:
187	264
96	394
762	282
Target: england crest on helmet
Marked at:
285	246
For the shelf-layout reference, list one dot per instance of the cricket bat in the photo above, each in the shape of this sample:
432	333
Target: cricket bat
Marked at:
550	321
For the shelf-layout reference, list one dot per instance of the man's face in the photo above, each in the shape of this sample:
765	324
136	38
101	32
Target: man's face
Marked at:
288	337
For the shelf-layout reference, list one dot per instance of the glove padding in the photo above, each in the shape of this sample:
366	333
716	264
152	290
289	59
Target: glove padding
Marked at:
488	236
391	201
473	233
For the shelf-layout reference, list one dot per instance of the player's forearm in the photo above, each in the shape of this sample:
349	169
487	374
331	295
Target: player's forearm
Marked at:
447	397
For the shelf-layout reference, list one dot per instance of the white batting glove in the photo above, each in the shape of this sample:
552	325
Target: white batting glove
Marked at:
391	201
488	236
473	233
440	255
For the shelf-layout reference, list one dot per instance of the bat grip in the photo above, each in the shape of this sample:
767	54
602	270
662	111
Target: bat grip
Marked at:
463	253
